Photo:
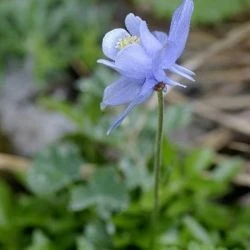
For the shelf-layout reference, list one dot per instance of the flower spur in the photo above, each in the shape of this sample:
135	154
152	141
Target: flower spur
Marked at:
144	59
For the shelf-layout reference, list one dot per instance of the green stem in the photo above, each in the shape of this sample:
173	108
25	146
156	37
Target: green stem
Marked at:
157	169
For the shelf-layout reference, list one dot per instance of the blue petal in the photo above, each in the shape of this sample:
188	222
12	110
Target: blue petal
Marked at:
108	63
180	25
148	40
177	38
133	62
122	91
184	70
132	23
164	59
110	40
145	94
174	83
162	77
161	37
181	73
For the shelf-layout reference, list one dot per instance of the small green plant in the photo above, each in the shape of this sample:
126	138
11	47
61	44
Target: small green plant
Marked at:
90	192
54	34
107	206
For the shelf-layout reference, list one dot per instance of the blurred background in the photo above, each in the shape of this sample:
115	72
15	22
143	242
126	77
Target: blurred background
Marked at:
65	185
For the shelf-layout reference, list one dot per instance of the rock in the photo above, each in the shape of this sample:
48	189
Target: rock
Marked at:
28	126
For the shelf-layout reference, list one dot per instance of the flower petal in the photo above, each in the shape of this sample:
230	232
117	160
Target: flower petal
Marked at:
184	70
161	37
180	25
133	62
148	40
181	73
162	77
174	83
132	23
177	38
164	59
145	94
110	40
108	63
122	91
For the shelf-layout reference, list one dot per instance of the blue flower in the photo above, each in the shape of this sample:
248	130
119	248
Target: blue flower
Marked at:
144	59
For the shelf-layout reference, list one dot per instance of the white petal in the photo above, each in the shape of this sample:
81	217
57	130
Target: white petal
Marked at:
110	40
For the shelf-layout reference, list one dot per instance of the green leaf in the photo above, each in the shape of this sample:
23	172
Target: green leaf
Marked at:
5	204
226	170
198	160
136	176
40	242
171	237
83	244
196	230
239	235
177	117
54	168
208	211
179	206
200	246
106	190
98	235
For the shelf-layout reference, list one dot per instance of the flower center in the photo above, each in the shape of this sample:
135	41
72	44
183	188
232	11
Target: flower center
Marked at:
124	42
160	86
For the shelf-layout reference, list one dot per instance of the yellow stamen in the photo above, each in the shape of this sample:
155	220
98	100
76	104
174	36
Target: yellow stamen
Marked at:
122	43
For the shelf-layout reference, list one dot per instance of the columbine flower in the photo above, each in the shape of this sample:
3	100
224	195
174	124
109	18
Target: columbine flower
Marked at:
144	59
